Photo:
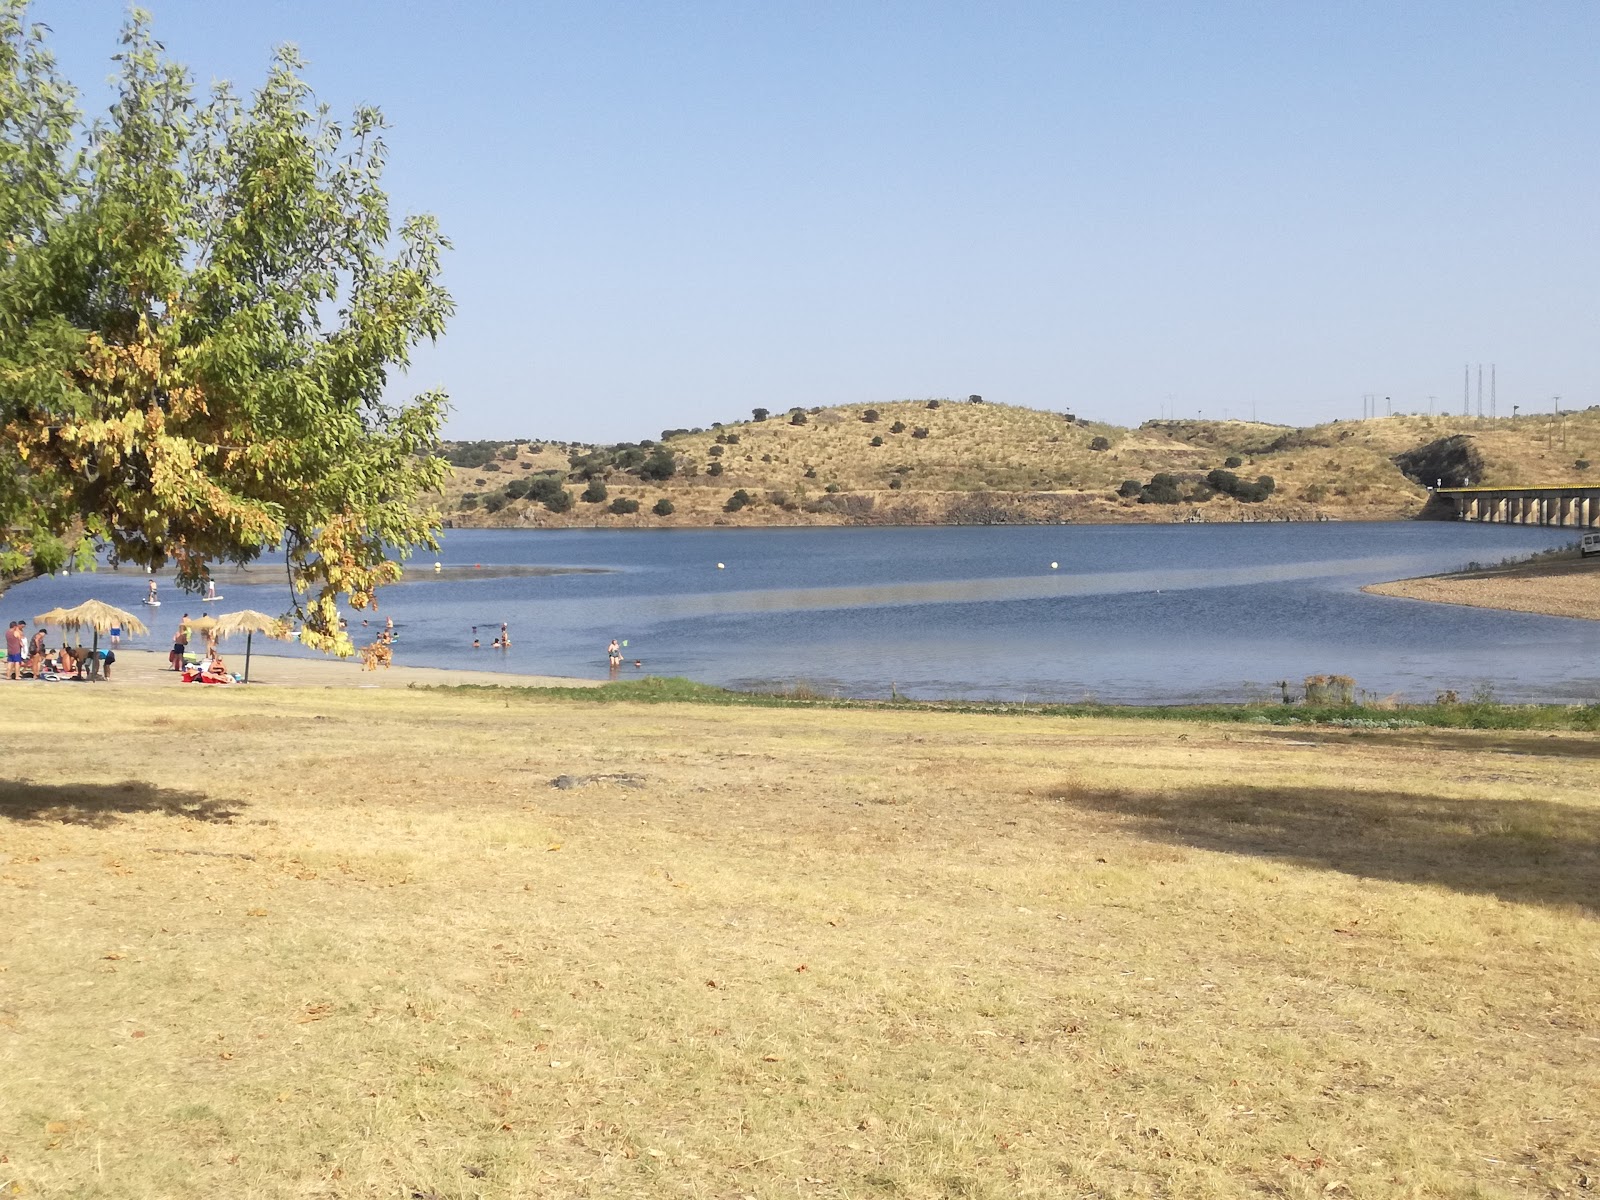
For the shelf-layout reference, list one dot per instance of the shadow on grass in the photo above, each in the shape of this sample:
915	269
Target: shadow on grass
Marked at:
1519	850
103	804
1531	745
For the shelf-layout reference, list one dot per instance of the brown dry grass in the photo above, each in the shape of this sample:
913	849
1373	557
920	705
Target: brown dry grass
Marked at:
341	943
1042	465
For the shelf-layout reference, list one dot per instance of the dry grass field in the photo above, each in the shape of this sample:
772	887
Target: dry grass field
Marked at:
1034	466
334	943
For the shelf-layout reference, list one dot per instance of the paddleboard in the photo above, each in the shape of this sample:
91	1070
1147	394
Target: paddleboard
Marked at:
153	603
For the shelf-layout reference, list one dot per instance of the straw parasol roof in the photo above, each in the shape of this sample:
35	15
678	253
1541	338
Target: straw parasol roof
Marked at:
250	621
95	615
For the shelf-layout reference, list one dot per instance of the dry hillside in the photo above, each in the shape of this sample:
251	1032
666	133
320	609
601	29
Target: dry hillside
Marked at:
954	462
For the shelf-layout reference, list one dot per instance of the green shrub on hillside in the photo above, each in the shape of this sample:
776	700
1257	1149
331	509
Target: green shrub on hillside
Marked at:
1162	489
738	500
1100	443
470	454
1233	460
664	507
594	493
624	504
714	469
1230	484
659	464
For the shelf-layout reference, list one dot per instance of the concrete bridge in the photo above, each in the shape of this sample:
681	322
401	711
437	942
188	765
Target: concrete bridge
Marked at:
1577	506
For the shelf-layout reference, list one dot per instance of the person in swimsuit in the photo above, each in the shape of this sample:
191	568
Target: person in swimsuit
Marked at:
614	653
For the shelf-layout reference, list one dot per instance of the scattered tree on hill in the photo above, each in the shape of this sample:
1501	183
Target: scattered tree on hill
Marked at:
1100	443
660	465
547	490
738	500
623	505
876	441
974	399
201	300
898	427
919	432
798	417
1162	489
714	469
932	404
1233	460
715	451
664	507
1230	484
595	493
870	416
760	414
1130	488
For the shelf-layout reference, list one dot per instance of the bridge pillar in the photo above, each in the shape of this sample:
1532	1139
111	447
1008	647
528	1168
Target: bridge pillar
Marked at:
1501	512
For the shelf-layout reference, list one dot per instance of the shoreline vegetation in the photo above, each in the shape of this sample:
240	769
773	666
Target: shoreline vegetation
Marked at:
279	944
1331	700
966	462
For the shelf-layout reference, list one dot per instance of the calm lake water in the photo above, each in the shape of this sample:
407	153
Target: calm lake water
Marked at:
1141	614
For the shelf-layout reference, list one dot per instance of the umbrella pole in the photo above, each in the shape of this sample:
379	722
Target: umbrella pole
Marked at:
249	634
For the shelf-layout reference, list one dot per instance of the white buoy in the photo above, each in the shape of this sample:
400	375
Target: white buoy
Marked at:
720	567
1055	566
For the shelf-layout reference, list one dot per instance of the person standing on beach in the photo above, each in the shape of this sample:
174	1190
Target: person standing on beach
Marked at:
16	638
36	651
180	643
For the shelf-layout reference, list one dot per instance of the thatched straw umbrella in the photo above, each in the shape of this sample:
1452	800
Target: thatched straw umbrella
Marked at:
94	615
250	622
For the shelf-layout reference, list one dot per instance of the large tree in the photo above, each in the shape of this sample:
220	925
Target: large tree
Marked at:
202	297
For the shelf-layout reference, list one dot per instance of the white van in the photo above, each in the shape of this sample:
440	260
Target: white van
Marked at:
1589	544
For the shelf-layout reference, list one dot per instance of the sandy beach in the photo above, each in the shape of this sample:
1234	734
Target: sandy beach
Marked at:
1558	587
149	668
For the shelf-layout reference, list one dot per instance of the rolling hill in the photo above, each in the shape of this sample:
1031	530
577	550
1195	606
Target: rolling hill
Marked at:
960	462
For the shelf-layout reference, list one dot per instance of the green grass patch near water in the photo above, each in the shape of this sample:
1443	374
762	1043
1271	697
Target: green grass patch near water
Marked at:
1472	714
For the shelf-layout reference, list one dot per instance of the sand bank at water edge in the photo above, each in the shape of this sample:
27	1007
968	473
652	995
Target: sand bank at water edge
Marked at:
1560	587
148	668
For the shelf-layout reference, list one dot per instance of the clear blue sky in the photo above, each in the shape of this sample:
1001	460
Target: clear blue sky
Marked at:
668	213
